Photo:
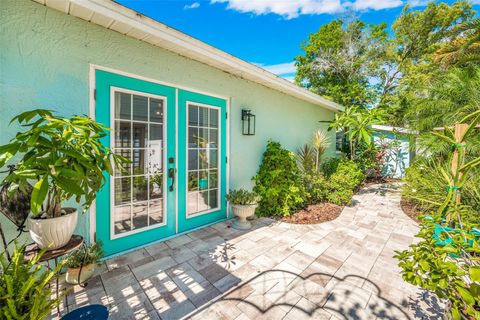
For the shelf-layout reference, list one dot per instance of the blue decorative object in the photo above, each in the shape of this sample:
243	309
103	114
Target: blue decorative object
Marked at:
92	312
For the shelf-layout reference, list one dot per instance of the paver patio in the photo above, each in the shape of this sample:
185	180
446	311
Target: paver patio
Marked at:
343	269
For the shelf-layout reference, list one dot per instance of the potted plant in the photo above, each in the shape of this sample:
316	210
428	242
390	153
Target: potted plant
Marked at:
243	204
82	263
62	159
25	291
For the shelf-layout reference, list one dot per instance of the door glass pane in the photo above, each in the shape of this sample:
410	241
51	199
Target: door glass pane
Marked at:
155	211
127	167
140	215
156	110
124	103
140	108
202	158
123	134
122	221
140	135
139	189
139	161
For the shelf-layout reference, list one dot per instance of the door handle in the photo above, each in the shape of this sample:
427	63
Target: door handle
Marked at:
171	175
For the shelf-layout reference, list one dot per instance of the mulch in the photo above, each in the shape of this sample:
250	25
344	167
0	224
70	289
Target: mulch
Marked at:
315	213
410	209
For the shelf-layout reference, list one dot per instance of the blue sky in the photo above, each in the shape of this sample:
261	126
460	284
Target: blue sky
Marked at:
264	32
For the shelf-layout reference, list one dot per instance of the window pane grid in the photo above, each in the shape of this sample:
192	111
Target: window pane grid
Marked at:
203	159
146	165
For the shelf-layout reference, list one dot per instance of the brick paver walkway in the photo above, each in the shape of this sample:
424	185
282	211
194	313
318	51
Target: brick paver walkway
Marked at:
342	269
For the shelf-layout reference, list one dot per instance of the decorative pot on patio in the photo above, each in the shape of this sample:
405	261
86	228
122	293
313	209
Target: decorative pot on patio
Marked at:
53	232
72	274
243	204
243	212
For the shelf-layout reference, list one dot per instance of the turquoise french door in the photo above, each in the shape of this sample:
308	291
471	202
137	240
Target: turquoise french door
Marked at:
137	205
201	160
157	195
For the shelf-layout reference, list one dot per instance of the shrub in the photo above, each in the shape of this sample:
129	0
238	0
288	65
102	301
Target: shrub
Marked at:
278	182
426	188
339	190
349	169
329	166
242	197
24	287
316	187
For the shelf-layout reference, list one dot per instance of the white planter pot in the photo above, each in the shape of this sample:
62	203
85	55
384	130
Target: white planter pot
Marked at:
55	232
72	274
243	212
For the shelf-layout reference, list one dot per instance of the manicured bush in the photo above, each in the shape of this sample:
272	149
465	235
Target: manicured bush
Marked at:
278	182
316	187
329	166
351	171
242	197
339	190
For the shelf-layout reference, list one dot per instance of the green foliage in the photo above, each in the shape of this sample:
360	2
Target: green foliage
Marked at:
351	172
278	182
339	60
316	187
24	287
357	123
91	254
242	197
339	189
329	166
62	158
448	264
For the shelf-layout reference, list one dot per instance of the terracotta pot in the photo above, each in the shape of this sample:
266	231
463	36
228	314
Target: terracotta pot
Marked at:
243	212
53	233
72	274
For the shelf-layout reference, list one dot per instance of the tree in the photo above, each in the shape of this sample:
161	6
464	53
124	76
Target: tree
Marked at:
409	61
340	59
464	49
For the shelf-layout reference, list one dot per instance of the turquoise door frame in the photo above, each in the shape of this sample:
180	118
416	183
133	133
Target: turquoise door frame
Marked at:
112	243
175	215
186	221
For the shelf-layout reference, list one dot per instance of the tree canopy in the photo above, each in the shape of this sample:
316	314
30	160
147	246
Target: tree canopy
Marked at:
370	66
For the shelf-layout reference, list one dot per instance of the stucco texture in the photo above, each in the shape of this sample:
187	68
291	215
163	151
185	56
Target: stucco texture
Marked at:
45	59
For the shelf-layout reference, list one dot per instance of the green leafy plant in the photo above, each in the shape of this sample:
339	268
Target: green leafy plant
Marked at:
278	182
24	287
84	256
356	123
242	197
63	159
447	258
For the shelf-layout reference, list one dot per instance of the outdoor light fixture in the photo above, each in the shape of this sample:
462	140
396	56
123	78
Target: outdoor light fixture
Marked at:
248	123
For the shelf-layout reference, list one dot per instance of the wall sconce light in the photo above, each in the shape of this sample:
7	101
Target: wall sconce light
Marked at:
248	123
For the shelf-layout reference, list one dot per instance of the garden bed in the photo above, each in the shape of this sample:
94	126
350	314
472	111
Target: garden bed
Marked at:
315	213
410	209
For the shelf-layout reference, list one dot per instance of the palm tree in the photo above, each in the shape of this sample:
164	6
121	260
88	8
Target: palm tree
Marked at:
464	48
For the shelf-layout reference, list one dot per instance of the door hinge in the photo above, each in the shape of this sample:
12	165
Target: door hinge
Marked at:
95	94
95	237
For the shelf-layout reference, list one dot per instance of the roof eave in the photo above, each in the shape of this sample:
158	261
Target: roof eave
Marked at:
114	16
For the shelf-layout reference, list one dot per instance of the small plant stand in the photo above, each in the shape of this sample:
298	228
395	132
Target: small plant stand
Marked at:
75	243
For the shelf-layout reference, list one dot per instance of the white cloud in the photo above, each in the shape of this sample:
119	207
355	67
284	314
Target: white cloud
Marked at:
281	68
293	8
285	70
194	5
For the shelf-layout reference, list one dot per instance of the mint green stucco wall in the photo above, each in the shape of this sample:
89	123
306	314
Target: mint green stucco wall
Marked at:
44	62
